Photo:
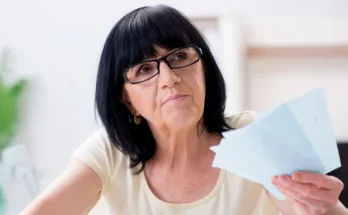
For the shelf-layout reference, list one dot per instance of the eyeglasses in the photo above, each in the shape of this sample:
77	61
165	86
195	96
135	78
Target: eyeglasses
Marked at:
178	58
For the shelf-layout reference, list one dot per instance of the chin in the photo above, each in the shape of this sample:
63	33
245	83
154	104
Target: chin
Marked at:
183	119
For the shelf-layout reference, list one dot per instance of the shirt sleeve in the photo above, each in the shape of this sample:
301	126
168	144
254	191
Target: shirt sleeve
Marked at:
99	154
241	119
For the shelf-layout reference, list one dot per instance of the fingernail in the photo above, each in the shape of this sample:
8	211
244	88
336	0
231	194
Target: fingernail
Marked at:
296	177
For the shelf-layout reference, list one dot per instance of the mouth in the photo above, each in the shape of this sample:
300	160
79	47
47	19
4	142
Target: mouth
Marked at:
174	97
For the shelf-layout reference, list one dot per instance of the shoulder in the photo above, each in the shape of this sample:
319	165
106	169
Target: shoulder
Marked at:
98	143
241	119
101	155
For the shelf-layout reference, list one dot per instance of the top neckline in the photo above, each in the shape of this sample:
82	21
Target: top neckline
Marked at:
193	204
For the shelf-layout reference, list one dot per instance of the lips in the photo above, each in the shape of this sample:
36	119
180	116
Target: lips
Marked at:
174	97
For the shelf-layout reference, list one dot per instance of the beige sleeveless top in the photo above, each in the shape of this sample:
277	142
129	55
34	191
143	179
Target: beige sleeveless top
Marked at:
125	193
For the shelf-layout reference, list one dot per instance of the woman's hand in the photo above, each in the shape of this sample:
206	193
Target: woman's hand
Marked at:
310	193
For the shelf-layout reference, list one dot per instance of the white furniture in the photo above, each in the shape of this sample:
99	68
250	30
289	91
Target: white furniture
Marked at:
18	178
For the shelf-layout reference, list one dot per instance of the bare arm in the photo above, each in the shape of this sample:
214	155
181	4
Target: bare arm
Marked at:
75	192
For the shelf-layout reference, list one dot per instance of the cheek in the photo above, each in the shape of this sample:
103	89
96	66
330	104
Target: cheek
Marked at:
195	80
199	83
143	98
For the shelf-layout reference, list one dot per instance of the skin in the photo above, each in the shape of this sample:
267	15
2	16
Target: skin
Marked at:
181	166
74	192
309	194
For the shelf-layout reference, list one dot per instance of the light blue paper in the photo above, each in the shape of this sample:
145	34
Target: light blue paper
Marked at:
312	114
295	136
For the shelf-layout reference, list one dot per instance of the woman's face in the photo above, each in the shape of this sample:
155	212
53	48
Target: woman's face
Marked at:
173	99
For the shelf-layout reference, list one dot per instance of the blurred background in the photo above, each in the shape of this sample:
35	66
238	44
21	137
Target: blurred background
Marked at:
269	52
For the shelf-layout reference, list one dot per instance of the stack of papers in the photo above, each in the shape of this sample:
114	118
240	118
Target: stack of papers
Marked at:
295	136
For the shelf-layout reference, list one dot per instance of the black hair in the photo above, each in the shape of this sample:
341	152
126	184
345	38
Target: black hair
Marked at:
131	40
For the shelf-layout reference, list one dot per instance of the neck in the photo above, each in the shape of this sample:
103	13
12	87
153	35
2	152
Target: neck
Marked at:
182	148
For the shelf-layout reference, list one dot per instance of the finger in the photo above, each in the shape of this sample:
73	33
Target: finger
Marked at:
286	192
313	204
308	190
302	209
317	179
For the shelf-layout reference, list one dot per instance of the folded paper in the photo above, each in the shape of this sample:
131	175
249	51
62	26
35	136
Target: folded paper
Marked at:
295	136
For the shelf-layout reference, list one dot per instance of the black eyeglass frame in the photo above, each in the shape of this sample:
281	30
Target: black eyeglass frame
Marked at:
164	58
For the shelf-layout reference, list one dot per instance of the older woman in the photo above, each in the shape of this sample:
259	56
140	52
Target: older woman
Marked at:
161	98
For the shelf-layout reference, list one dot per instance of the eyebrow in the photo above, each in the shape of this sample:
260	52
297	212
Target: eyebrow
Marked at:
154	59
165	55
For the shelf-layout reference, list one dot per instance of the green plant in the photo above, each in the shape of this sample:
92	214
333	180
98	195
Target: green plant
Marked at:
9	96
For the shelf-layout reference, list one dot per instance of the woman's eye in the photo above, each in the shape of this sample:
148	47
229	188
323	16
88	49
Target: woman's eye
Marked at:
180	56
144	70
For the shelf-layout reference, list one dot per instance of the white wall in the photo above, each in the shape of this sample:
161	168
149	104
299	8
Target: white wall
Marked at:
288	31
273	80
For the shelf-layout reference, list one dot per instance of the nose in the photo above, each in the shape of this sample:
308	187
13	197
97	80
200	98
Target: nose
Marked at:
167	77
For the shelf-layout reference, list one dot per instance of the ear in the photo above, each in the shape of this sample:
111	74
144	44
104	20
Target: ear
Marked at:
128	104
